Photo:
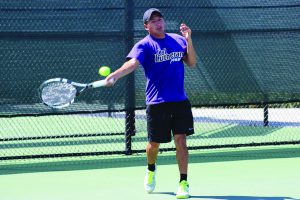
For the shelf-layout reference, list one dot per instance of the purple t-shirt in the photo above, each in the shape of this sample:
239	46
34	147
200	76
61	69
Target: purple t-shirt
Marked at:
163	66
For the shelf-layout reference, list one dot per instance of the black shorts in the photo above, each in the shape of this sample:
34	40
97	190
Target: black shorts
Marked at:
166	118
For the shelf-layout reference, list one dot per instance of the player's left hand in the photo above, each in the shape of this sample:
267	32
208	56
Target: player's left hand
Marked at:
185	31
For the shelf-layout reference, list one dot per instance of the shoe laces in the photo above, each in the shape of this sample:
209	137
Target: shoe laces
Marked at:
183	185
150	177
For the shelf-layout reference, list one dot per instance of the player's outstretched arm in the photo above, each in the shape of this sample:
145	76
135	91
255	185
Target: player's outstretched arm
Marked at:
126	68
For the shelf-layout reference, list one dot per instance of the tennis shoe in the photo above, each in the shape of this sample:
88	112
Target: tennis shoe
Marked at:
183	190
149	181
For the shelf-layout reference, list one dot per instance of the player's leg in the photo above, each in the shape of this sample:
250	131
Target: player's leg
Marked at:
152	152
182	160
159	131
182	125
181	155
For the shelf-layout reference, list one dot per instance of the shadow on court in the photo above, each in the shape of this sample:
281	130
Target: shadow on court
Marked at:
228	197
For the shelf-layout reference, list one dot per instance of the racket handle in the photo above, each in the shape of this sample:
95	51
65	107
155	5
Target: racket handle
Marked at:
98	84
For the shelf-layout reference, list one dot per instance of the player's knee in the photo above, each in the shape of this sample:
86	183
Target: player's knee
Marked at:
153	145
180	141
180	138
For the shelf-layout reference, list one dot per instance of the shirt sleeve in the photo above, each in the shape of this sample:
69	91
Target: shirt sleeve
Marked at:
138	52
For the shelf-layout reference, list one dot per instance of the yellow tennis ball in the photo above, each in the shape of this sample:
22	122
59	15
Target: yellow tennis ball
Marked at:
104	71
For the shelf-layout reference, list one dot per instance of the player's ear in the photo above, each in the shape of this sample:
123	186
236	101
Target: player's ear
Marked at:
146	26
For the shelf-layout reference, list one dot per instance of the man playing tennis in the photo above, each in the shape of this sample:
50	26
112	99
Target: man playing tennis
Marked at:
168	108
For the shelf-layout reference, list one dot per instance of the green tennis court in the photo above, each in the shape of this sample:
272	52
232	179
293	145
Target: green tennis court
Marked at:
269	173
261	172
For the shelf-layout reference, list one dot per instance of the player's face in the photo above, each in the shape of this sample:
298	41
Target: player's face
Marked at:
156	26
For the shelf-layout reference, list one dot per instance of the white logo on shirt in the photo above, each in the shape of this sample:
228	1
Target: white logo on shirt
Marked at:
162	56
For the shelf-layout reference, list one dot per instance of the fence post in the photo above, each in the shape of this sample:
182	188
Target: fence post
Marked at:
130	82
266	114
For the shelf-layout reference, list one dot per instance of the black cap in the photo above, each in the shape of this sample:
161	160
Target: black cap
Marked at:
149	12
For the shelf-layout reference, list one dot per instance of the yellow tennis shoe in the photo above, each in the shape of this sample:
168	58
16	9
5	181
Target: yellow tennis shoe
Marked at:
149	181
183	190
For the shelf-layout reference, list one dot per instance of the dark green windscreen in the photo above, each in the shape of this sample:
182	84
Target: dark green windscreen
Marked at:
248	51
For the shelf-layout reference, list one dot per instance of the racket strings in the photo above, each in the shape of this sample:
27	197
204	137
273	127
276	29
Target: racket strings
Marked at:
58	94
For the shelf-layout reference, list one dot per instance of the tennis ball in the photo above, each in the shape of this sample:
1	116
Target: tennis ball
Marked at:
104	71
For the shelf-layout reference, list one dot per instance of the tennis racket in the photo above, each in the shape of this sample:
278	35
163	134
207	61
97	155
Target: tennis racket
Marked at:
60	92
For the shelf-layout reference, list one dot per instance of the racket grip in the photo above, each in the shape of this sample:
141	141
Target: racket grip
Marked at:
98	84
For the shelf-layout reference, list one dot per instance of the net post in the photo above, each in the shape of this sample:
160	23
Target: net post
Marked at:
266	114
130	79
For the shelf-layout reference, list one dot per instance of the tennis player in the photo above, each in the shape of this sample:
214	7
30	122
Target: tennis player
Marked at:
168	109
